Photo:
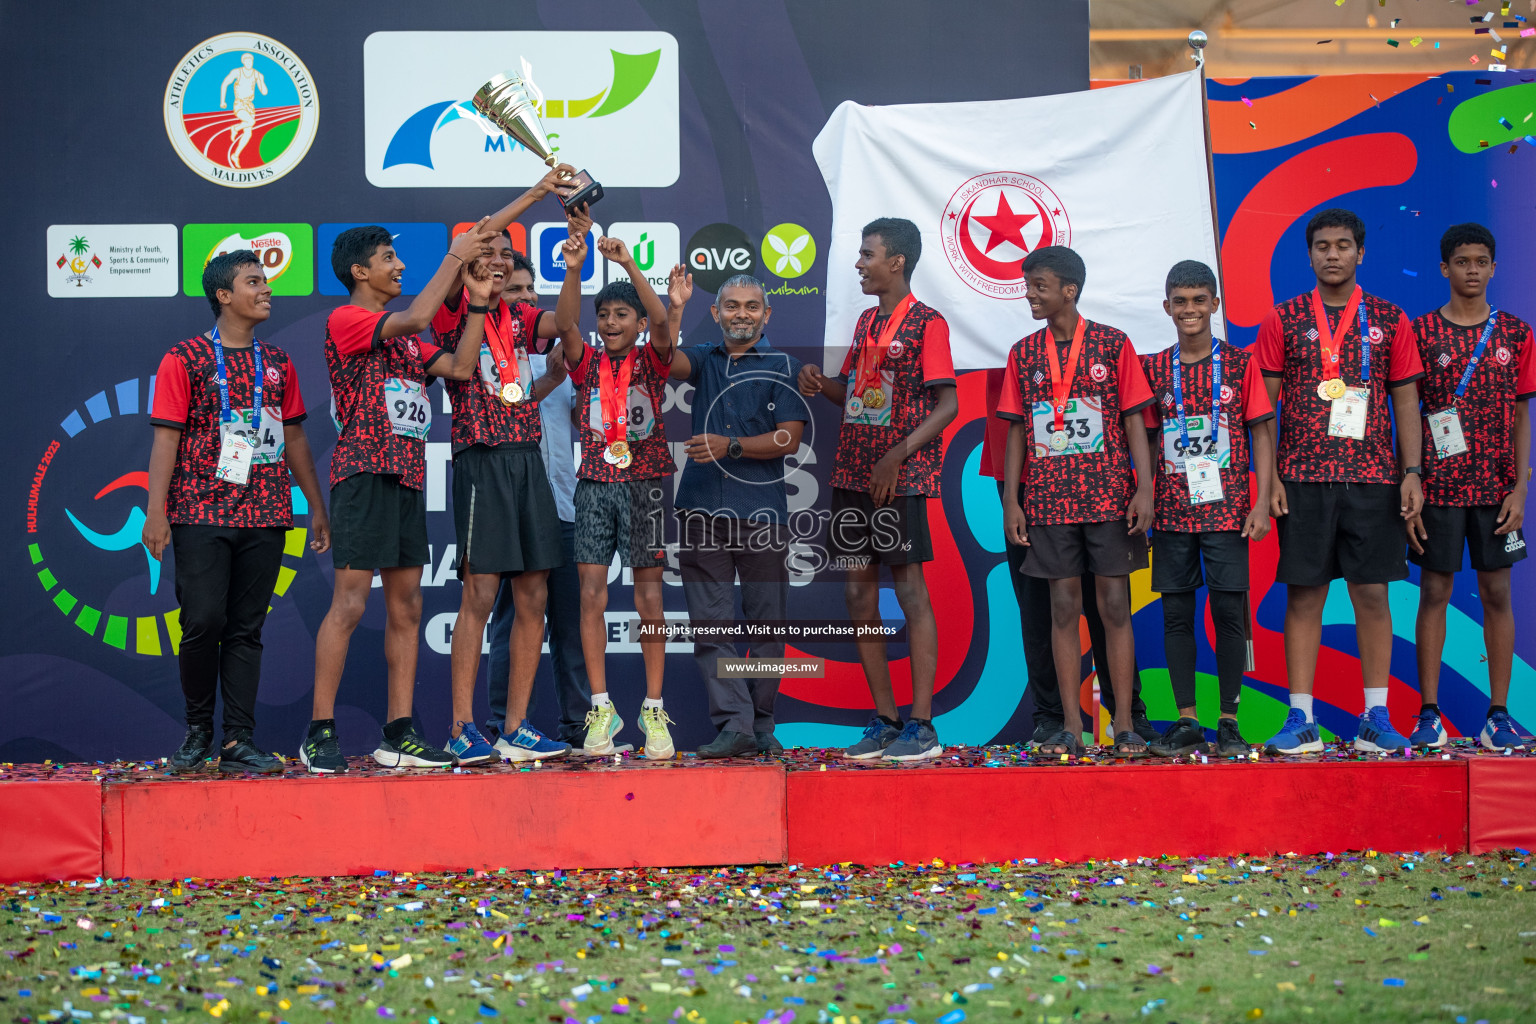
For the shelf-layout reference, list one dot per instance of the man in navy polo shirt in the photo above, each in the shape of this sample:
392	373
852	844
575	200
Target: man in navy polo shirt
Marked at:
733	506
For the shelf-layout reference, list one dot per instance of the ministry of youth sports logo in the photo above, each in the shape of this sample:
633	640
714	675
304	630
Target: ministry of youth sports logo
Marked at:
241	109
993	221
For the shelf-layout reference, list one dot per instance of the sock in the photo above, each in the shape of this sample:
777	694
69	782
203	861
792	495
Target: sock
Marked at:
649	703
922	721
321	724
1494	709
600	700
1375	697
894	723
1303	703
394	730
1430	706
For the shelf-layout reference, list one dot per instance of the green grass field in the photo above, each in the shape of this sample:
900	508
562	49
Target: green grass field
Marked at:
1357	937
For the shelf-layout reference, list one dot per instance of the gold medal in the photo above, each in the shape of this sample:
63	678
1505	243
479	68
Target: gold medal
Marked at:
512	393
624	460
1334	389
874	398
617	454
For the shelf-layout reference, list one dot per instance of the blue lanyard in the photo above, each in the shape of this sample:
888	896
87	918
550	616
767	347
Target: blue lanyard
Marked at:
1365	344
1477	354
226	415
1178	394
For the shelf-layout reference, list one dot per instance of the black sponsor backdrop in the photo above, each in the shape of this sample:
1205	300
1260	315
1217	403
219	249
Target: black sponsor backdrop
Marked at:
85	144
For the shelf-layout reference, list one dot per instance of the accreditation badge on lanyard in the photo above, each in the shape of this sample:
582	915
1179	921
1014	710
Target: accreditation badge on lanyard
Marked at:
236	451
1445	425
1202	472
1349	406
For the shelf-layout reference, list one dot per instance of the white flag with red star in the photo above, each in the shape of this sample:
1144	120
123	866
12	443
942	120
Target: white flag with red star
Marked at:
1118	174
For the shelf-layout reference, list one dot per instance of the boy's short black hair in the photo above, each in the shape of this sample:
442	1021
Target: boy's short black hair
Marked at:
901	238
1337	217
1066	264
520	261
220	273
356	245
622	292
1190	274
1458	235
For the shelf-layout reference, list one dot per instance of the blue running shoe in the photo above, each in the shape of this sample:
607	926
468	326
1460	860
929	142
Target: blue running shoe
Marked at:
1429	732
528	744
1499	732
469	747
1377	736
1296	736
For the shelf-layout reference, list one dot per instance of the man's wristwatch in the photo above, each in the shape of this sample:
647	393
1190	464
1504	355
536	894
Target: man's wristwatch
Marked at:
734	448
1417	471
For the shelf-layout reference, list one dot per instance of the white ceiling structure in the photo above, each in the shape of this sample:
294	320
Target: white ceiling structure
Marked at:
1306	37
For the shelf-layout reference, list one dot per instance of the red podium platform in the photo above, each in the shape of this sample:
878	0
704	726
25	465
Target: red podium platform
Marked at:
73	822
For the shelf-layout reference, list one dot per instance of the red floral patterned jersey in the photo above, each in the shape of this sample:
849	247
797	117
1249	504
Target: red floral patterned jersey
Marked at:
917	362
187	398
1244	402
1506	374
379	387
651	459
1092	479
1288	347
479	414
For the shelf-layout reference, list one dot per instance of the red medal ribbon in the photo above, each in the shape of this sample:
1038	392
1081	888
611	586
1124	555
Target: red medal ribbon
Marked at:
1061	380
1332	344
613	392
504	350
872	352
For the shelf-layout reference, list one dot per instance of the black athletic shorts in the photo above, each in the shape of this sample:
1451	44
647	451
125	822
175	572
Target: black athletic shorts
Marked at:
504	511
1454	528
623	516
1176	559
1353	532
1067	551
860	531
377	523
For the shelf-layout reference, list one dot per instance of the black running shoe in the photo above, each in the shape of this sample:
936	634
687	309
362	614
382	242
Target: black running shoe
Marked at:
409	750
1229	740
1182	738
321	751
194	750
1142	726
1046	729
246	757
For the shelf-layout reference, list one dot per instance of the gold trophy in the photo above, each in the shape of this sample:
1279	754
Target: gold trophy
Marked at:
511	103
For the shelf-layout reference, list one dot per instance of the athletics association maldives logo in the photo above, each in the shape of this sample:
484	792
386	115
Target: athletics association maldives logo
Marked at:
85	525
993	221
241	109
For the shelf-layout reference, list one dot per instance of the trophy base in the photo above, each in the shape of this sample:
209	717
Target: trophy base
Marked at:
587	191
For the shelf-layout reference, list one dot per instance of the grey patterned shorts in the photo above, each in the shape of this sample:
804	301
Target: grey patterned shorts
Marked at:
626	517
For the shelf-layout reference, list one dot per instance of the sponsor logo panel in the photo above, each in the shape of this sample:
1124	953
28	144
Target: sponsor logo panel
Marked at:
111	261
286	251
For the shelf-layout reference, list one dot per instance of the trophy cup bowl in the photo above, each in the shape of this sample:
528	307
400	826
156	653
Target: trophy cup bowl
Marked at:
511	102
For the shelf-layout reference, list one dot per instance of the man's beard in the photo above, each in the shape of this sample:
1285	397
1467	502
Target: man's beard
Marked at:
740	333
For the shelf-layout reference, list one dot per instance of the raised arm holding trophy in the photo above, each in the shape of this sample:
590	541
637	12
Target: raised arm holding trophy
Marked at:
511	103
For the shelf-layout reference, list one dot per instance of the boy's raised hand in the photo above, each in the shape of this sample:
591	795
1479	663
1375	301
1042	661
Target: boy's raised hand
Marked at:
575	250
473	243
556	180
579	222
614	250
479	283
679	286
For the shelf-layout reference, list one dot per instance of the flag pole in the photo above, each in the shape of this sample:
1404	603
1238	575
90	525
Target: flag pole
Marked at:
1197	42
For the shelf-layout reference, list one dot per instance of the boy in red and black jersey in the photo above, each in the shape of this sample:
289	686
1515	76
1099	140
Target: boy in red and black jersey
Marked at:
1479	376
1335	358
379	370
1207	397
228	429
1075	392
897	394
620	390
504	512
